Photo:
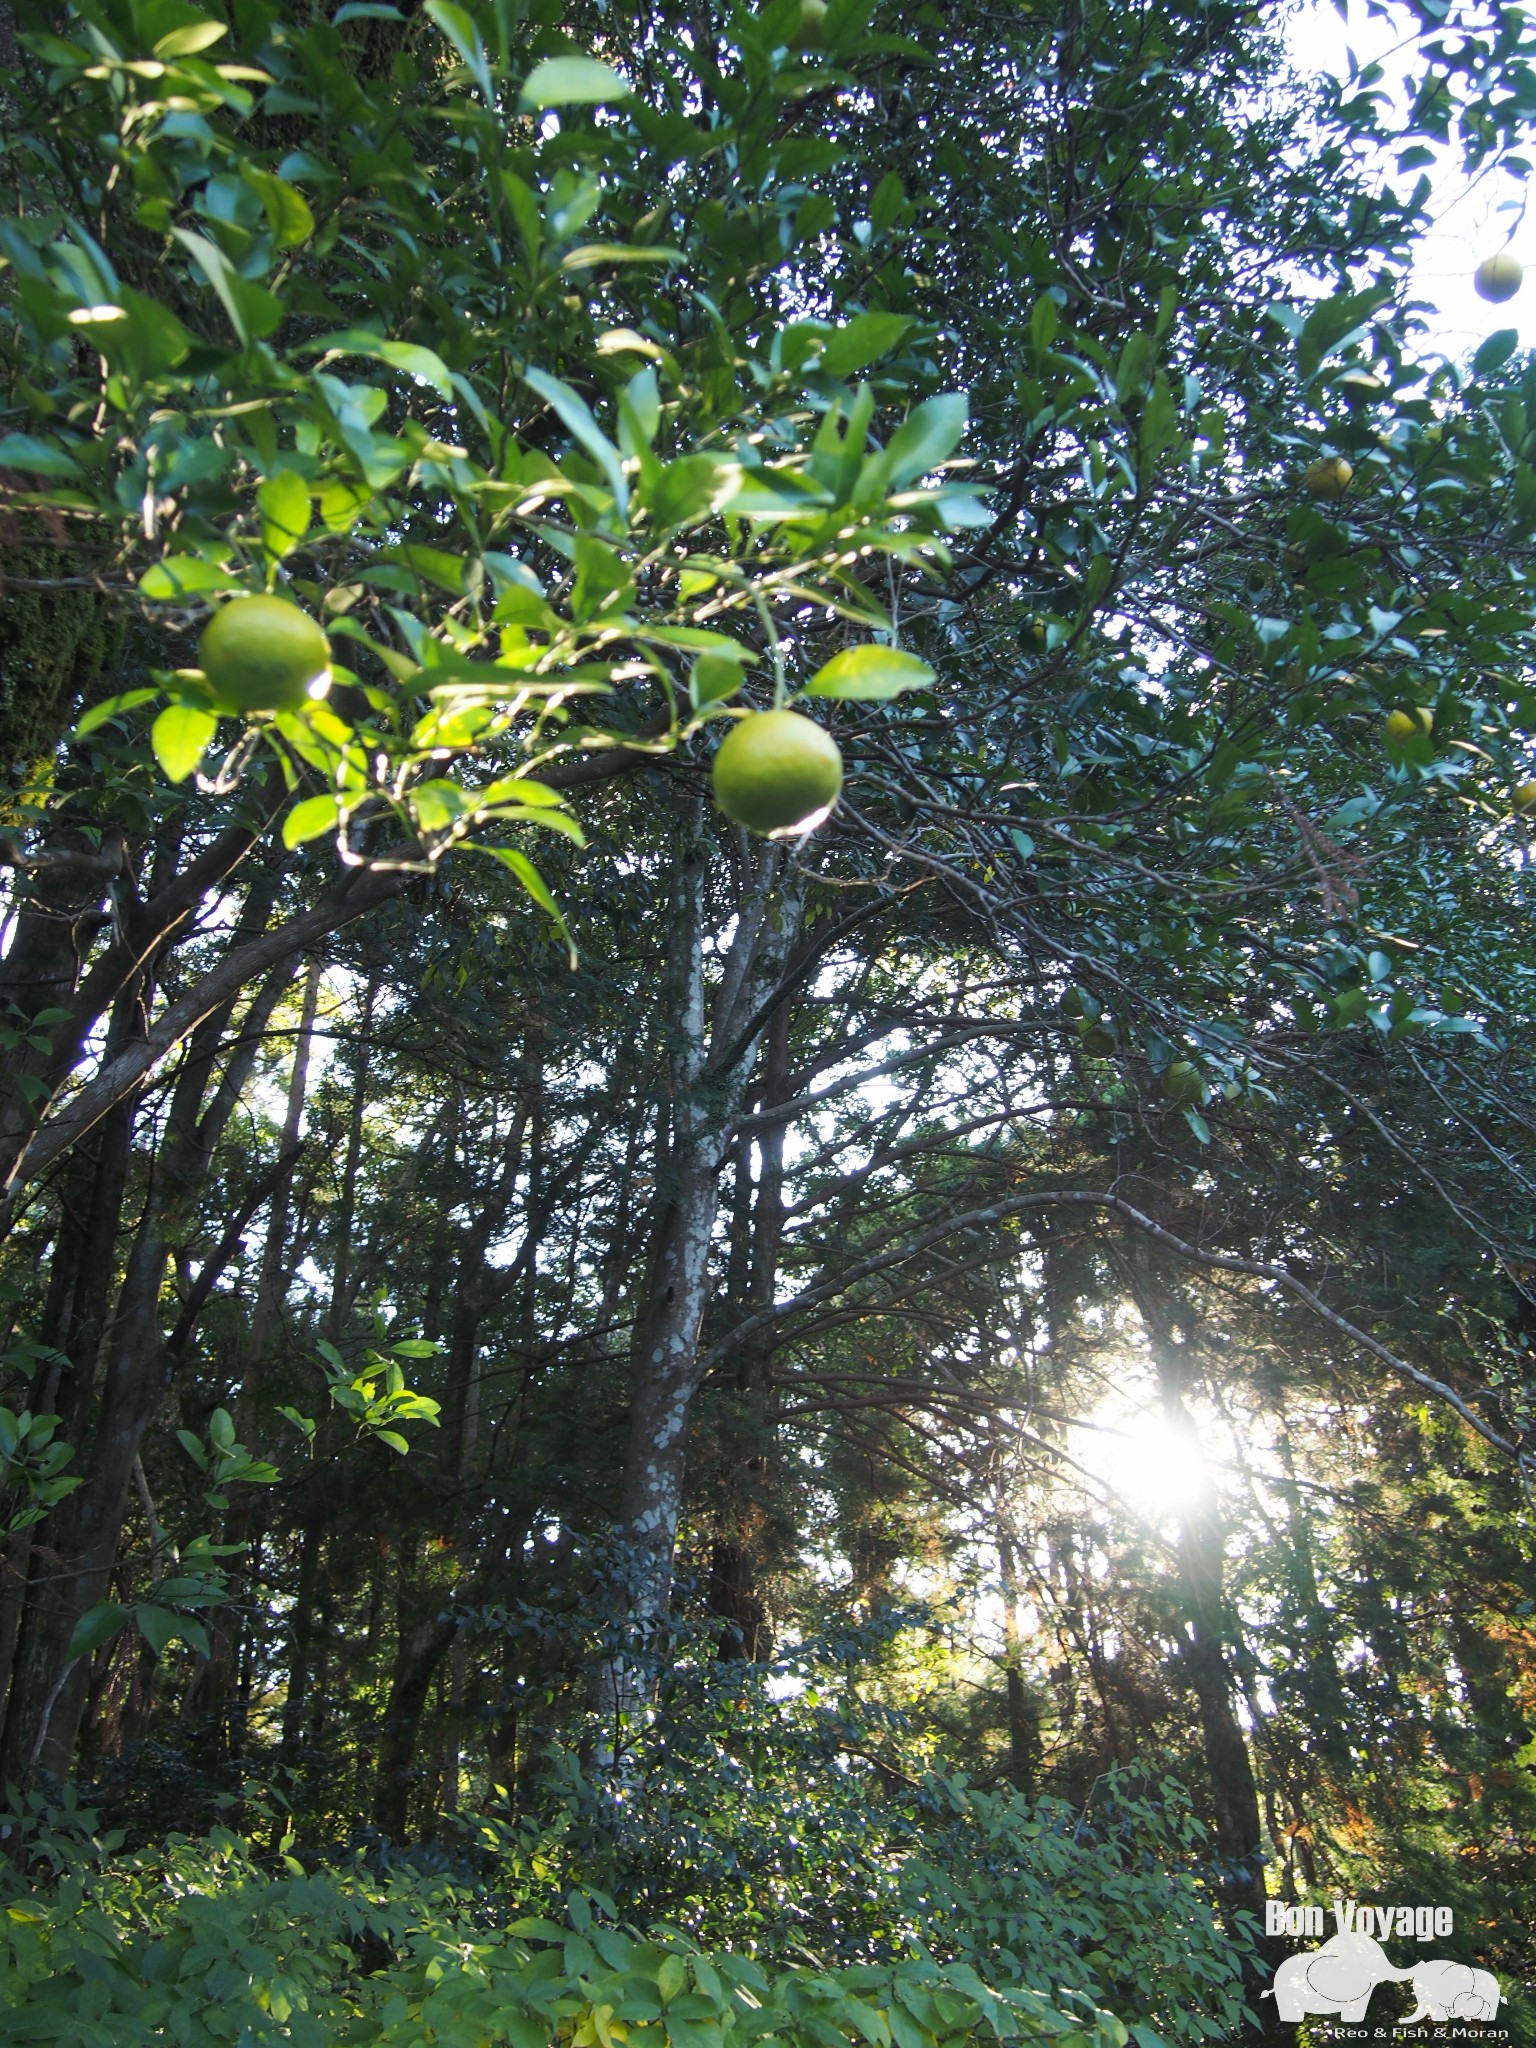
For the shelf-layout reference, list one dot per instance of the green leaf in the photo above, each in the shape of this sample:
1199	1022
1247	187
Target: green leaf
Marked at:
458	26
253	311
311	819
869	673
433	565
1495	351
922	441
692	488
154	341
183	575
866	337
410	356
180	736
1335	324
23	451
189	39
714	678
195	1635
98	1625
1136	359
886	202
283	501
99	714
157	1625
577	415
572	82
286	208
534	883
590	254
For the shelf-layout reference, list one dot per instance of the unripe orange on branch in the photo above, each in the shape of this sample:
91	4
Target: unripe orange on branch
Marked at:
1498	277
1525	797
811	32
263	654
1329	477
1407	725
1183	1082
777	773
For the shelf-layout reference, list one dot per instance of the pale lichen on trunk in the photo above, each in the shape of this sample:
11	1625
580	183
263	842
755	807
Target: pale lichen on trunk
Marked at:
712	1055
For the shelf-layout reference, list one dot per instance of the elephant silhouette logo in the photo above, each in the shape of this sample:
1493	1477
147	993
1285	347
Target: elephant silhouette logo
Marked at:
1338	1978
1452	1991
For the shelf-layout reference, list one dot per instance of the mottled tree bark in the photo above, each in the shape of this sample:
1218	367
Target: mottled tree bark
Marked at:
712	1054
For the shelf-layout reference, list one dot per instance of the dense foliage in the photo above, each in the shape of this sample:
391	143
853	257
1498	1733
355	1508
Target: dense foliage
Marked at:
550	1334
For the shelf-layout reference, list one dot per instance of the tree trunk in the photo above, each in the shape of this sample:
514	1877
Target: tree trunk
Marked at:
425	1636
301	1630
48	1693
1023	1718
710	1064
1208	1623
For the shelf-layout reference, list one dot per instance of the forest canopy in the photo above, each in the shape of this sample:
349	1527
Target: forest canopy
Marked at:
878	1427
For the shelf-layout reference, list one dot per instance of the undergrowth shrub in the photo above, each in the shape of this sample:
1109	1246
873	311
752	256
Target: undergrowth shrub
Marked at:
196	1944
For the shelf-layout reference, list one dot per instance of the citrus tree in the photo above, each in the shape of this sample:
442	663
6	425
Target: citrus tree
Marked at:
427	432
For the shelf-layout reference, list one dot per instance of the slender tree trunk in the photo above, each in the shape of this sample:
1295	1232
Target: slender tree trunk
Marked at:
270	1281
1209	1625
424	1636
711	1060
1023	1719
217	1684
48	1693
757	1228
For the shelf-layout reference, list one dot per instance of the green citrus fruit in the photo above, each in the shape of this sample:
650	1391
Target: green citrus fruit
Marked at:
1329	477
1525	796
811	33
1498	277
262	654
1078	1003
1183	1082
776	772
1099	1041
1403	726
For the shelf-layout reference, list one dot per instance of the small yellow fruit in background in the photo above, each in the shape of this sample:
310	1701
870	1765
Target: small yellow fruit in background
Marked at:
811	34
1329	477
1498	277
1183	1082
1525	796
777	773
263	654
1403	726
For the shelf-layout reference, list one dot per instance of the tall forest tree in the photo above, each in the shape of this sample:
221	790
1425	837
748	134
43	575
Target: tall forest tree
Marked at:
479	1224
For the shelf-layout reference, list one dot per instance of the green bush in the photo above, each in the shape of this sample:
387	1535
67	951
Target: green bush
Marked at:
198	1945
770	1858
801	1821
